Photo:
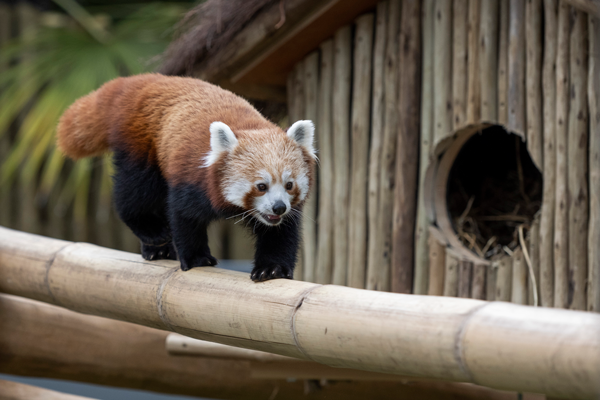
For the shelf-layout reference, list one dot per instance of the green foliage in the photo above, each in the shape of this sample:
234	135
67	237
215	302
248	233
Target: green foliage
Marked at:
49	70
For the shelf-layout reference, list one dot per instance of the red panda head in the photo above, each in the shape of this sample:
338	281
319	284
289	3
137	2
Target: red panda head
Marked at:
266	172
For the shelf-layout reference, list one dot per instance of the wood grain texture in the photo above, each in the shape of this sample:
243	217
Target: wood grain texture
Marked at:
534	255
19	391
504	269
488	59
503	64
360	128
460	12
474	74
465	278
516	68
407	165
549	172
478	285
437	263
519	278
451	273
442	70
533	80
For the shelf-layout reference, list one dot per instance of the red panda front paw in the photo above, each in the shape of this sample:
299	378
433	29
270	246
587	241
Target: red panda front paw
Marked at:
203	261
266	271
162	252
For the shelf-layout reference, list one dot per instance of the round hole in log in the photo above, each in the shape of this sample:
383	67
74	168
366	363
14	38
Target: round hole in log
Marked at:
493	187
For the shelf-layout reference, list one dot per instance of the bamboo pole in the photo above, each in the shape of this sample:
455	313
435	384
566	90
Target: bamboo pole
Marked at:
383	236
451	273
593	300
437	263
549	191
519	278
342	64
442	71
474	75
361	122
460	9
561	216
588	6
299	112
20	391
374	259
534	255
503	64
465	278
578	163
324	259
499	345
516	68
478	288
309	212
503	266
488	60
533	78
407	165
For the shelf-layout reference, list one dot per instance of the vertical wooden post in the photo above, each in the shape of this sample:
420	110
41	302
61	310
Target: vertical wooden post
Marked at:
437	263
561	216
342	66
534	255
442	70
459	62
465	277
451	273
504	269
422	248
361	122
503	64
474	76
533	40
324	262
593	300
490	281
309	213
374	259
488	60
516	68
578	163
478	286
546	297
519	278
407	165
5	35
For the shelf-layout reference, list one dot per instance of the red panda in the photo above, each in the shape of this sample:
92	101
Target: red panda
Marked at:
186	153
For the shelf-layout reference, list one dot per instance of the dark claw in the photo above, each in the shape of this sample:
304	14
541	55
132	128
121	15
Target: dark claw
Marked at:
164	252
267	271
203	261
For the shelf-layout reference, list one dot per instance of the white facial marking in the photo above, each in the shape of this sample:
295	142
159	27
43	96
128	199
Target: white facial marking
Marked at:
302	182
236	189
222	139
303	132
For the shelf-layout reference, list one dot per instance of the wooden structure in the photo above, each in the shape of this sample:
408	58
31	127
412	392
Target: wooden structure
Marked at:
397	88
556	352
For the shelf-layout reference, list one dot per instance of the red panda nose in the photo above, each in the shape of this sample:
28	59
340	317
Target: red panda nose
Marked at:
279	207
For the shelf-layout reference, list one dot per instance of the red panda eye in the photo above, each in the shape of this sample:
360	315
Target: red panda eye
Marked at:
289	186
262	187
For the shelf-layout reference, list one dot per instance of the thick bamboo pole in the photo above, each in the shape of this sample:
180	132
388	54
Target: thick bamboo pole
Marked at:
442	70
10	390
460	11
374	259
383	236
556	352
593	300
503	64
578	163
361	122
546	297
310	82
516	68
306	320
437	263
533	80
342	64
488	60
407	165
324	260
474	75
519	278
561	209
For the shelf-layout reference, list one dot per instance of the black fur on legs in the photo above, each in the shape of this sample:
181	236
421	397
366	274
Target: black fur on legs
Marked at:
140	194
276	250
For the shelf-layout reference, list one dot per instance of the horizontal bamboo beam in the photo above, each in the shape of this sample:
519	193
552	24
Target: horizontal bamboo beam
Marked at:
10	390
500	345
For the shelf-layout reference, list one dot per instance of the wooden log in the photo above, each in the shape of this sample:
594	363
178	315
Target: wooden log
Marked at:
361	122
374	259
324	260
519	278
588	6
474	75
407	165
451	273
309	212
578	162
593	300
442	71
342	65
437	263
533	80
488	60
460	11
534	255
549	171
556	356
19	391
383	236
478	286
299	112
491	281
503	64
465	278
503	266
422	266
561	210
516	68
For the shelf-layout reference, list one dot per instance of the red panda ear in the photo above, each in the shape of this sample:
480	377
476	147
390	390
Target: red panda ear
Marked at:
222	139
303	132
